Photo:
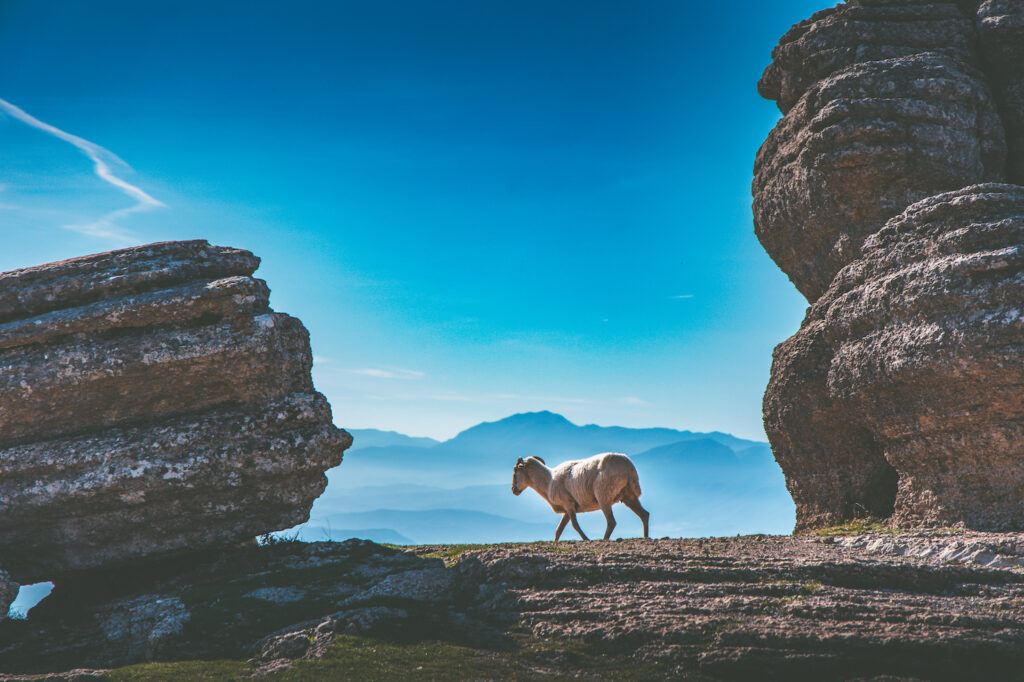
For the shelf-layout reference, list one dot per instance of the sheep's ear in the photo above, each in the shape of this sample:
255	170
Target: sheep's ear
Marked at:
519	461
541	461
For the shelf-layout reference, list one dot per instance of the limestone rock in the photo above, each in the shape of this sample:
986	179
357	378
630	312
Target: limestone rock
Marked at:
862	31
862	144
8	593
150	402
835	471
918	346
1001	31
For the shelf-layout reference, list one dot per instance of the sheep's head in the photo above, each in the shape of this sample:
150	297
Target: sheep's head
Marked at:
519	477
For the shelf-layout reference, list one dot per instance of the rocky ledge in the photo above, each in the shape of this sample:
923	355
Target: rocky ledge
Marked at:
747	608
151	402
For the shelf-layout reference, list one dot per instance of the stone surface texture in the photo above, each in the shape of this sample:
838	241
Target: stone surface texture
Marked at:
8	593
901	395
752	608
151	402
1001	31
903	392
860	146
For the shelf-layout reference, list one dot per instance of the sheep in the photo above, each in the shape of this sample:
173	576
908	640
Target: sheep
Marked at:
583	485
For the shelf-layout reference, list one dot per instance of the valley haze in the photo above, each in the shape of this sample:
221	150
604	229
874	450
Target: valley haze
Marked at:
405	490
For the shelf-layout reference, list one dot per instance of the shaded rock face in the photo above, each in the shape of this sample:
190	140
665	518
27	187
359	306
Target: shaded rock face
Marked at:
911	367
899	396
8	593
276	601
1001	30
151	401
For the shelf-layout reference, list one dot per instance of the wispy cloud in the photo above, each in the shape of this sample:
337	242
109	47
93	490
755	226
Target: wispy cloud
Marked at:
106	226
683	296
633	400
388	373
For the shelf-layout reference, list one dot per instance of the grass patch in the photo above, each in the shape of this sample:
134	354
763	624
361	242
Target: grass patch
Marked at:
451	554
351	658
877	527
856	527
211	671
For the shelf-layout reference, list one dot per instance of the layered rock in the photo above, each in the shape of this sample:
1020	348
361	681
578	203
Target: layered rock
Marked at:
861	145
889	103
1001	32
862	31
913	359
742	608
8	593
151	401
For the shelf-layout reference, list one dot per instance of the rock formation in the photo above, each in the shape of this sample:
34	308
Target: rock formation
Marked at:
860	146
8	593
151	402
902	395
1001	30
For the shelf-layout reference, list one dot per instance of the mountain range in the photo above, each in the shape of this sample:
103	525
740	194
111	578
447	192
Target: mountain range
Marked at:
396	488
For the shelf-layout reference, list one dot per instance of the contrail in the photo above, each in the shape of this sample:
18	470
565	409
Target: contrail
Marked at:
106	225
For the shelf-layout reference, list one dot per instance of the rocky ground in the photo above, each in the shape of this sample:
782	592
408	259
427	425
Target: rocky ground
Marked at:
933	606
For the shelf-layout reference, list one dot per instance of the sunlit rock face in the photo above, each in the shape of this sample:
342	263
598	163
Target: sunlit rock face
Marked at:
862	31
901	394
903	391
860	146
151	401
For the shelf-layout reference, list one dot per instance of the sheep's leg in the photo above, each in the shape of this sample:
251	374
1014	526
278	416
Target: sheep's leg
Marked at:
561	526
644	515
610	518
576	525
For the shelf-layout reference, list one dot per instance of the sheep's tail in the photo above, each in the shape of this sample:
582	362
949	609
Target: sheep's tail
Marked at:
634	484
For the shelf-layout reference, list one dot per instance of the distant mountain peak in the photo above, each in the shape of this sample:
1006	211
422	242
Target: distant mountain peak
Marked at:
541	417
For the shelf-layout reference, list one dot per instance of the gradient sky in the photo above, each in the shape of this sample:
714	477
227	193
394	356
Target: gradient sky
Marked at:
477	208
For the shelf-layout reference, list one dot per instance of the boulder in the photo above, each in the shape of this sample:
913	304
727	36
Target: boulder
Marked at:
151	402
862	144
914	353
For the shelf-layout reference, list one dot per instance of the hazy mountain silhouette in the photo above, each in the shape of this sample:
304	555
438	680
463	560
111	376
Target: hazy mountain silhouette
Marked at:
371	438
694	483
546	434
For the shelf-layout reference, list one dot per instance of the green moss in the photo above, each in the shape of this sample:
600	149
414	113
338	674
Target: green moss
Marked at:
812	586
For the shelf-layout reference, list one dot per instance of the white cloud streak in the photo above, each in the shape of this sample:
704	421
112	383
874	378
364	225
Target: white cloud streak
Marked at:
106	226
390	373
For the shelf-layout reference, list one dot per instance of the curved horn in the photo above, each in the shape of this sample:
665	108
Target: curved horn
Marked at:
541	461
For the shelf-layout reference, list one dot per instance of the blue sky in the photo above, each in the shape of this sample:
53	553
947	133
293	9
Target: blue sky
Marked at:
477	208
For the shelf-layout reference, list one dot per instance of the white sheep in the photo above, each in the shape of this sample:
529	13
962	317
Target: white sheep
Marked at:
583	485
